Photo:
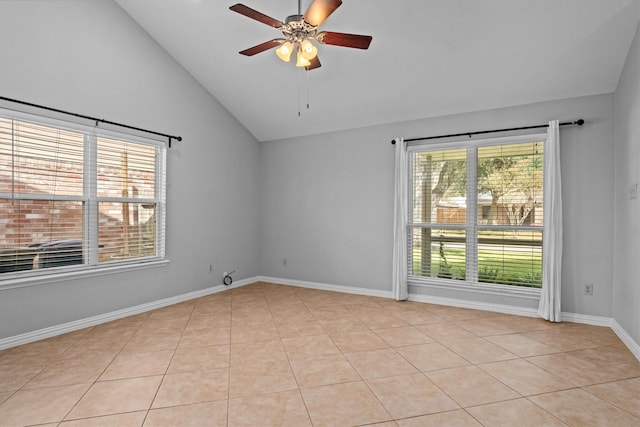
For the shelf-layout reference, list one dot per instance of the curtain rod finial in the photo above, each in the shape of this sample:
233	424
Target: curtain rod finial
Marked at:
393	142
580	122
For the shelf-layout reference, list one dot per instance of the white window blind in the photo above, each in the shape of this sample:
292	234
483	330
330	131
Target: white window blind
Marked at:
126	179
72	197
476	213
438	234
510	195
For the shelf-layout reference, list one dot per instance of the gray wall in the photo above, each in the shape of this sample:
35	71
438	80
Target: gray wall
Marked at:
90	57
326	208
626	255
327	201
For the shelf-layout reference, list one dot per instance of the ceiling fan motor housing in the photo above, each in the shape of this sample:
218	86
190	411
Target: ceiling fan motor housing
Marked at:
296	29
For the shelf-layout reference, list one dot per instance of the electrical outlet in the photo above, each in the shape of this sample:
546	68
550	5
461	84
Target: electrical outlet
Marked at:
588	288
633	191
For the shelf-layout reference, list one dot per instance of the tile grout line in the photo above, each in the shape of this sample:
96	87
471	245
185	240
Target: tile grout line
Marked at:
299	389
100	374
166	370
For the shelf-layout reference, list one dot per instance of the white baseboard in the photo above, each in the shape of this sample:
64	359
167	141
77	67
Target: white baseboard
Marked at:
633	346
114	315
498	308
454	302
587	319
326	287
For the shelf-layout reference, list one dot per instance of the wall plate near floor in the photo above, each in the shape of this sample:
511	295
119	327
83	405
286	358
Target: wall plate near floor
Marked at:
588	288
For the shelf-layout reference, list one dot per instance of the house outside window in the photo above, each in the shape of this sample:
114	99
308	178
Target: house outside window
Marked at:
475	213
77	198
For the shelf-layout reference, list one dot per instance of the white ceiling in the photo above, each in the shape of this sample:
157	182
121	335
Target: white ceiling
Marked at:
428	57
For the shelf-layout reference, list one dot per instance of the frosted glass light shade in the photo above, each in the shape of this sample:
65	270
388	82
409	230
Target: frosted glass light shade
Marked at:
284	51
302	61
309	51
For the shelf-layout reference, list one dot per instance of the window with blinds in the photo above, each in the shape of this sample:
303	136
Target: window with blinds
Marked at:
126	179
74	198
509	196
476	213
438	232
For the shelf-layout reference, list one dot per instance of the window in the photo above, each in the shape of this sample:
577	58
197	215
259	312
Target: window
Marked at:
77	198
476	213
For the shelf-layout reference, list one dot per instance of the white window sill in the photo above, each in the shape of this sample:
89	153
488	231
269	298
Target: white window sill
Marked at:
481	288
76	274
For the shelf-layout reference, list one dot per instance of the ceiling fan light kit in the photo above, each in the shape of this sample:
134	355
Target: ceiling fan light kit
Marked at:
299	31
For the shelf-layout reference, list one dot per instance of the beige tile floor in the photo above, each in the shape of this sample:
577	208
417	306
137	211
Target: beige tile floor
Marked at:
266	355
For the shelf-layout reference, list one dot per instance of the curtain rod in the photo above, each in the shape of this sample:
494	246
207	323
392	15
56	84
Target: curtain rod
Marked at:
93	119
579	122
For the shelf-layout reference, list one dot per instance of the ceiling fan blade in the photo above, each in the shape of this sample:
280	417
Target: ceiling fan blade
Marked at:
343	39
315	63
262	47
254	14
320	10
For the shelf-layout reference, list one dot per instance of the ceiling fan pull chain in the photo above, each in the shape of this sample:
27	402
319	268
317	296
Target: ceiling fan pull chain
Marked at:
299	92
308	89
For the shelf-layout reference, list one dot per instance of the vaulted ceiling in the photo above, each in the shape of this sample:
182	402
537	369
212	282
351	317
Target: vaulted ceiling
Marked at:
428	57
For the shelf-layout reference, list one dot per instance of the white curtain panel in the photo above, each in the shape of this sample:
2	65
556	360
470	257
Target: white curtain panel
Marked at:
399	286
549	308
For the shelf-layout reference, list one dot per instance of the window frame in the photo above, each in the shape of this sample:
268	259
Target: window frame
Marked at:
90	200
471	226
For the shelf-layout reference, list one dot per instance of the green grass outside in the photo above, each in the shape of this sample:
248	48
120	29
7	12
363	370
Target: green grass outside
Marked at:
521	269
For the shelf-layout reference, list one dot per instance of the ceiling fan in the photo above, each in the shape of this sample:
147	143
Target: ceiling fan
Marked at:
299	31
